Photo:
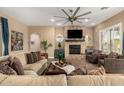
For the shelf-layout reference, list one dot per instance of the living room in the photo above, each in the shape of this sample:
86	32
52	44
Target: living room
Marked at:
53	44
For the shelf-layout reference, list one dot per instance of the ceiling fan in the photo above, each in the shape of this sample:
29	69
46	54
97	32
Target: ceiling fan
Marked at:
72	16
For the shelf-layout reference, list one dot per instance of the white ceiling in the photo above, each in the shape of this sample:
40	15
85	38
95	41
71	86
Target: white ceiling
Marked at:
40	16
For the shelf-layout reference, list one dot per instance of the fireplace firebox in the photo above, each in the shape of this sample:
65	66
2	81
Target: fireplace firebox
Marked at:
74	49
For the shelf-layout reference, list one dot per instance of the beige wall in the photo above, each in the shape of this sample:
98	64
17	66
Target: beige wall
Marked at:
19	27
50	33
45	33
112	21
59	30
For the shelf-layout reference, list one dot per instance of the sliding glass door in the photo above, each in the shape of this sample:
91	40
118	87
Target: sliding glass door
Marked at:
111	39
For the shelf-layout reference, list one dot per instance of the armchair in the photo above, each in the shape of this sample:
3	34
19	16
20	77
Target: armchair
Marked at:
92	57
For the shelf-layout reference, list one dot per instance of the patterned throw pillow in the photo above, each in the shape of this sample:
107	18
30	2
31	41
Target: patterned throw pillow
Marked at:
39	55
35	56
30	59
5	69
98	71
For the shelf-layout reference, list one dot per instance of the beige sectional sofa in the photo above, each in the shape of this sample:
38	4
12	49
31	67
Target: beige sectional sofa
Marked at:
31	77
31	69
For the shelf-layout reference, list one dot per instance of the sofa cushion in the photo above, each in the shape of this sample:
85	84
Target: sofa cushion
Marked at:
30	72
57	80
2	77
115	80
53	80
35	66
86	80
17	66
29	58
95	80
17	80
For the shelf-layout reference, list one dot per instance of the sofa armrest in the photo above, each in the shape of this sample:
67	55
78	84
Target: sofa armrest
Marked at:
36	66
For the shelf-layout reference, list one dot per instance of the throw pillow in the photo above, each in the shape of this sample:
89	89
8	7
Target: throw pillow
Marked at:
4	62
35	56
17	66
98	71
113	55
5	69
39	55
29	58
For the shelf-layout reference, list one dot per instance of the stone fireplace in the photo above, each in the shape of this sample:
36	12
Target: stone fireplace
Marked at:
74	49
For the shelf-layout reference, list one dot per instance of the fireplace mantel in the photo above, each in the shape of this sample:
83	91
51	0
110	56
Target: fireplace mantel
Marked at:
74	40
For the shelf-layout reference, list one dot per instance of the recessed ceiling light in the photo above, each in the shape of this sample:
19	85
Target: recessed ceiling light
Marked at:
86	19
52	20
92	24
59	24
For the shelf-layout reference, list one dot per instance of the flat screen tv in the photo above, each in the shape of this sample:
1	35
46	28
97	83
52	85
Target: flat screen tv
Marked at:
74	33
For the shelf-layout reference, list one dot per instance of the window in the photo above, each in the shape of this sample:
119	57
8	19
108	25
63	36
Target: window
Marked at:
111	39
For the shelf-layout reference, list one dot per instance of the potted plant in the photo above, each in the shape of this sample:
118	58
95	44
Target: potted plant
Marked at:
45	45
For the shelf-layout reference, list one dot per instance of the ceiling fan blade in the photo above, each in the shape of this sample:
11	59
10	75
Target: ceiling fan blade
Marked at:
76	11
65	12
82	18
60	16
84	14
66	22
59	20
